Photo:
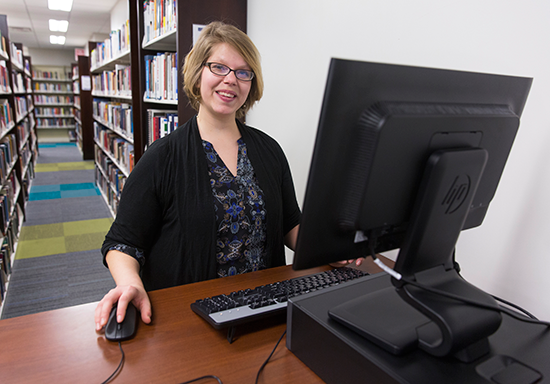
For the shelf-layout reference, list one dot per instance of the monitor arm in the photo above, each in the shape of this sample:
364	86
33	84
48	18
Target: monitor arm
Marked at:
426	257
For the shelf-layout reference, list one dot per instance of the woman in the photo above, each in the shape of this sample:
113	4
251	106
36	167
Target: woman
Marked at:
214	198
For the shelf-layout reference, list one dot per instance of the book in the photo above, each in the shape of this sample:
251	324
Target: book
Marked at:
6	116
160	123
4	78
161	77
159	18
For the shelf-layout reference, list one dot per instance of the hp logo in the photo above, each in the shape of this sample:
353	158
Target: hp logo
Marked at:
457	194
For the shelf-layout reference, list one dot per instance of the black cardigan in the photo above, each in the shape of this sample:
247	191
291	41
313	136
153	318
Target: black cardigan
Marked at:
166	207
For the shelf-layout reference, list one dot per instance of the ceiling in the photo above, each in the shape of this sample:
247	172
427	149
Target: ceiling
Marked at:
89	20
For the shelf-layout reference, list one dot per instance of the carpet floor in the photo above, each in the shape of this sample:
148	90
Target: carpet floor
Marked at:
58	261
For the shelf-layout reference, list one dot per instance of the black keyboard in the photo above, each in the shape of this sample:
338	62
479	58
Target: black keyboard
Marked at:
243	306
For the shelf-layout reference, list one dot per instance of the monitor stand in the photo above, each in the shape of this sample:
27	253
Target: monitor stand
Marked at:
444	199
518	351
386	319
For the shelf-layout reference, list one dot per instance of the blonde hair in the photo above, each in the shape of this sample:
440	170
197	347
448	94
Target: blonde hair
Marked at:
213	34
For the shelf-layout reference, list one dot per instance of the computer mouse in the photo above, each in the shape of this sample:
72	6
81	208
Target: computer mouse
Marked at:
115	331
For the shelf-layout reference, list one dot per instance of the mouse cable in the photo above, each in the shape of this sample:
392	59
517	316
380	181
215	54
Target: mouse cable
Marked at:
269	357
119	368
122	362
204	378
531	319
259	371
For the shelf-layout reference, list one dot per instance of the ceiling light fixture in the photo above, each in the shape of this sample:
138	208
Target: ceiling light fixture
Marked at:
58	25
60	5
57	40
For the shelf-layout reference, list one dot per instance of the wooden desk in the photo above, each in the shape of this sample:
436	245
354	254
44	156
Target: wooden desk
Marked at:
61	346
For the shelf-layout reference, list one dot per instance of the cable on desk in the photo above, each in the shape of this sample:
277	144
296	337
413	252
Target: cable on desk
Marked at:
269	357
204	378
119	368
259	371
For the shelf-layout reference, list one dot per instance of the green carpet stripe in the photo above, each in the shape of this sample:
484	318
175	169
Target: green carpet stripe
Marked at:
52	239
69	166
42	247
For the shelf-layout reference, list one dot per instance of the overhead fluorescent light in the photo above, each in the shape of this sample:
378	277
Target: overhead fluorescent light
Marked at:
57	39
60	5
58	25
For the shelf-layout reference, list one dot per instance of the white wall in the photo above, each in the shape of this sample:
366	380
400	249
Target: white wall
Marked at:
119	14
63	57
508	255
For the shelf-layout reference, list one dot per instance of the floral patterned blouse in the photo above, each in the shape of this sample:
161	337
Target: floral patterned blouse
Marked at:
240	214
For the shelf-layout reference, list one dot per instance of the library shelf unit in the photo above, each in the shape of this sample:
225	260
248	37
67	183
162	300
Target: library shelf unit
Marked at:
142	87
167	42
112	113
82	86
18	147
54	99
75	80
160	34
158	85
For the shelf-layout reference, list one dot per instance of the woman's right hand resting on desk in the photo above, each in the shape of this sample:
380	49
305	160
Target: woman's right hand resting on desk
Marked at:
129	288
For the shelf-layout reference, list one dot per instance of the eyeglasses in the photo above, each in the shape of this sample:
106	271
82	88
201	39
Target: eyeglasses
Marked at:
224	70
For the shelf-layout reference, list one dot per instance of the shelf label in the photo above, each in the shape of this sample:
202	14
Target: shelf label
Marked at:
86	83
197	28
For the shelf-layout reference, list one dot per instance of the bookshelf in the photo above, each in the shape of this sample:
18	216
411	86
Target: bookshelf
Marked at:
54	99
82	86
158	53
112	107
18	147
167	39
137	92
26	131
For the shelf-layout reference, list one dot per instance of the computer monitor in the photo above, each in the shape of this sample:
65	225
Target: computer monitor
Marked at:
406	158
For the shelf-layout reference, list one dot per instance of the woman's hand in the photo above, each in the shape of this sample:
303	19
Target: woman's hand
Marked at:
344	263
123	295
125	271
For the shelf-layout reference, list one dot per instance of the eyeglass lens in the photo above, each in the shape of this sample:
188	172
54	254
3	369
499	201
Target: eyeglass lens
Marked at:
224	70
